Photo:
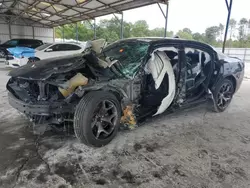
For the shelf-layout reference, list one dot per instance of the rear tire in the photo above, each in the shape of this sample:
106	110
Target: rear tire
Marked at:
97	118
223	95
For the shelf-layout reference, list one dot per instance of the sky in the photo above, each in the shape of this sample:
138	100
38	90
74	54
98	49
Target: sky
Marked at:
194	14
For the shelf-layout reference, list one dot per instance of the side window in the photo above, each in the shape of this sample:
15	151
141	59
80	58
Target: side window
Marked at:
54	48
36	43
27	43
23	42
196	59
70	47
197	62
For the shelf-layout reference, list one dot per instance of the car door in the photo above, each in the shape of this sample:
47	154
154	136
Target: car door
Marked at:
70	49
162	76
55	50
199	64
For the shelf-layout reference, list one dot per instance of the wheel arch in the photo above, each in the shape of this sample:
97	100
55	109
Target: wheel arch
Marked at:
34	58
233	79
119	94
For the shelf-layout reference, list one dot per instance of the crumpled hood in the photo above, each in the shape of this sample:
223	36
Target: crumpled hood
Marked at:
43	69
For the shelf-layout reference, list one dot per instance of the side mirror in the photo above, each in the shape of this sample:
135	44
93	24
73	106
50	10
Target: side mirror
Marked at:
49	50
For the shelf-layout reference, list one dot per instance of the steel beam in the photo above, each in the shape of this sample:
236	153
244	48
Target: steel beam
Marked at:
94	28
63	32
76	31
229	8
33	32
10	33
166	20
122	27
165	15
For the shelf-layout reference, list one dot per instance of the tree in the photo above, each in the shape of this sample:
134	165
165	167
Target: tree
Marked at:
186	33
110	29
221	30
187	30
140	29
232	26
211	34
199	37
243	25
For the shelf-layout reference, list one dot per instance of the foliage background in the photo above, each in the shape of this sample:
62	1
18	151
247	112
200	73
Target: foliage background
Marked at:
238	34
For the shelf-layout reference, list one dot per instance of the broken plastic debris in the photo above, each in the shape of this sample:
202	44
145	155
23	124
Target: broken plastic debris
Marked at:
128	118
77	80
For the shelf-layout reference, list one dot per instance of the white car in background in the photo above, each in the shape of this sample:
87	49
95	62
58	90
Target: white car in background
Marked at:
47	51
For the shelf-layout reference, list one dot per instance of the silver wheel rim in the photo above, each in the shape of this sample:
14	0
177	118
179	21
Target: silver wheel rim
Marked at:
224	95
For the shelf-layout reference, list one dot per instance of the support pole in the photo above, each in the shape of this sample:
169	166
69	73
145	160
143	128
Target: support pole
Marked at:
10	33
33	32
76	31
54	34
229	8
166	20
94	29
63	32
122	28
165	15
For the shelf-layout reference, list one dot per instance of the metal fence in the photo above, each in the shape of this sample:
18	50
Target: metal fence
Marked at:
242	53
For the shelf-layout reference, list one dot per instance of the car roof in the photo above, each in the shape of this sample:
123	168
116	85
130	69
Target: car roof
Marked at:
162	40
75	43
24	39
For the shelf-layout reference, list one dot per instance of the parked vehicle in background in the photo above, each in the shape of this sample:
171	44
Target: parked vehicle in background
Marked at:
30	43
125	82
45	51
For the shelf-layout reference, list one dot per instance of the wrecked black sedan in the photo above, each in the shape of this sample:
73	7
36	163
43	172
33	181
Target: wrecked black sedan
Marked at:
123	83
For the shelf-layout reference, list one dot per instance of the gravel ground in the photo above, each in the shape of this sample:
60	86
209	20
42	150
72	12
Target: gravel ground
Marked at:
190	149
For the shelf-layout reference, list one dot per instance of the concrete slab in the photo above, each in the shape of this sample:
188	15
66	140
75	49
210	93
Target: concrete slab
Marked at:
192	148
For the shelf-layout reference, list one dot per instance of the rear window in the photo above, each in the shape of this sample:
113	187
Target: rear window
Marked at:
129	53
44	46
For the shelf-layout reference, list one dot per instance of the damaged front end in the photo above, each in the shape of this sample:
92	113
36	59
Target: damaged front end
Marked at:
44	103
46	91
49	91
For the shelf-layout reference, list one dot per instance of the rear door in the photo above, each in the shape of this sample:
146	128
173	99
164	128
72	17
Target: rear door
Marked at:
70	49
199	64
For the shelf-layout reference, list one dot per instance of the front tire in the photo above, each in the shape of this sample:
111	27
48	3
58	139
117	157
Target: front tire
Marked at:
97	118
33	60
223	95
2	54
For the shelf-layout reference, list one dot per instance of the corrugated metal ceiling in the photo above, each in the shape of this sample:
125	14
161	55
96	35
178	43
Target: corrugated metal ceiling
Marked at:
58	12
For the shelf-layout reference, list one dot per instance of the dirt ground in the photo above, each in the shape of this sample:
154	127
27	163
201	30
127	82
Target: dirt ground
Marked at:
194	148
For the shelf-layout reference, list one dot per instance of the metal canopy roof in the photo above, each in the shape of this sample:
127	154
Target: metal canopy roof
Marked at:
52	13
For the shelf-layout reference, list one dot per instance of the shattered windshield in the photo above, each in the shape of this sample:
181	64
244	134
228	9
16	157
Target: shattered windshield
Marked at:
129	54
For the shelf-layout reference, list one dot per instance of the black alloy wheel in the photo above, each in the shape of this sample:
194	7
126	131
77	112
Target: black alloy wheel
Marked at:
97	118
104	119
223	95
